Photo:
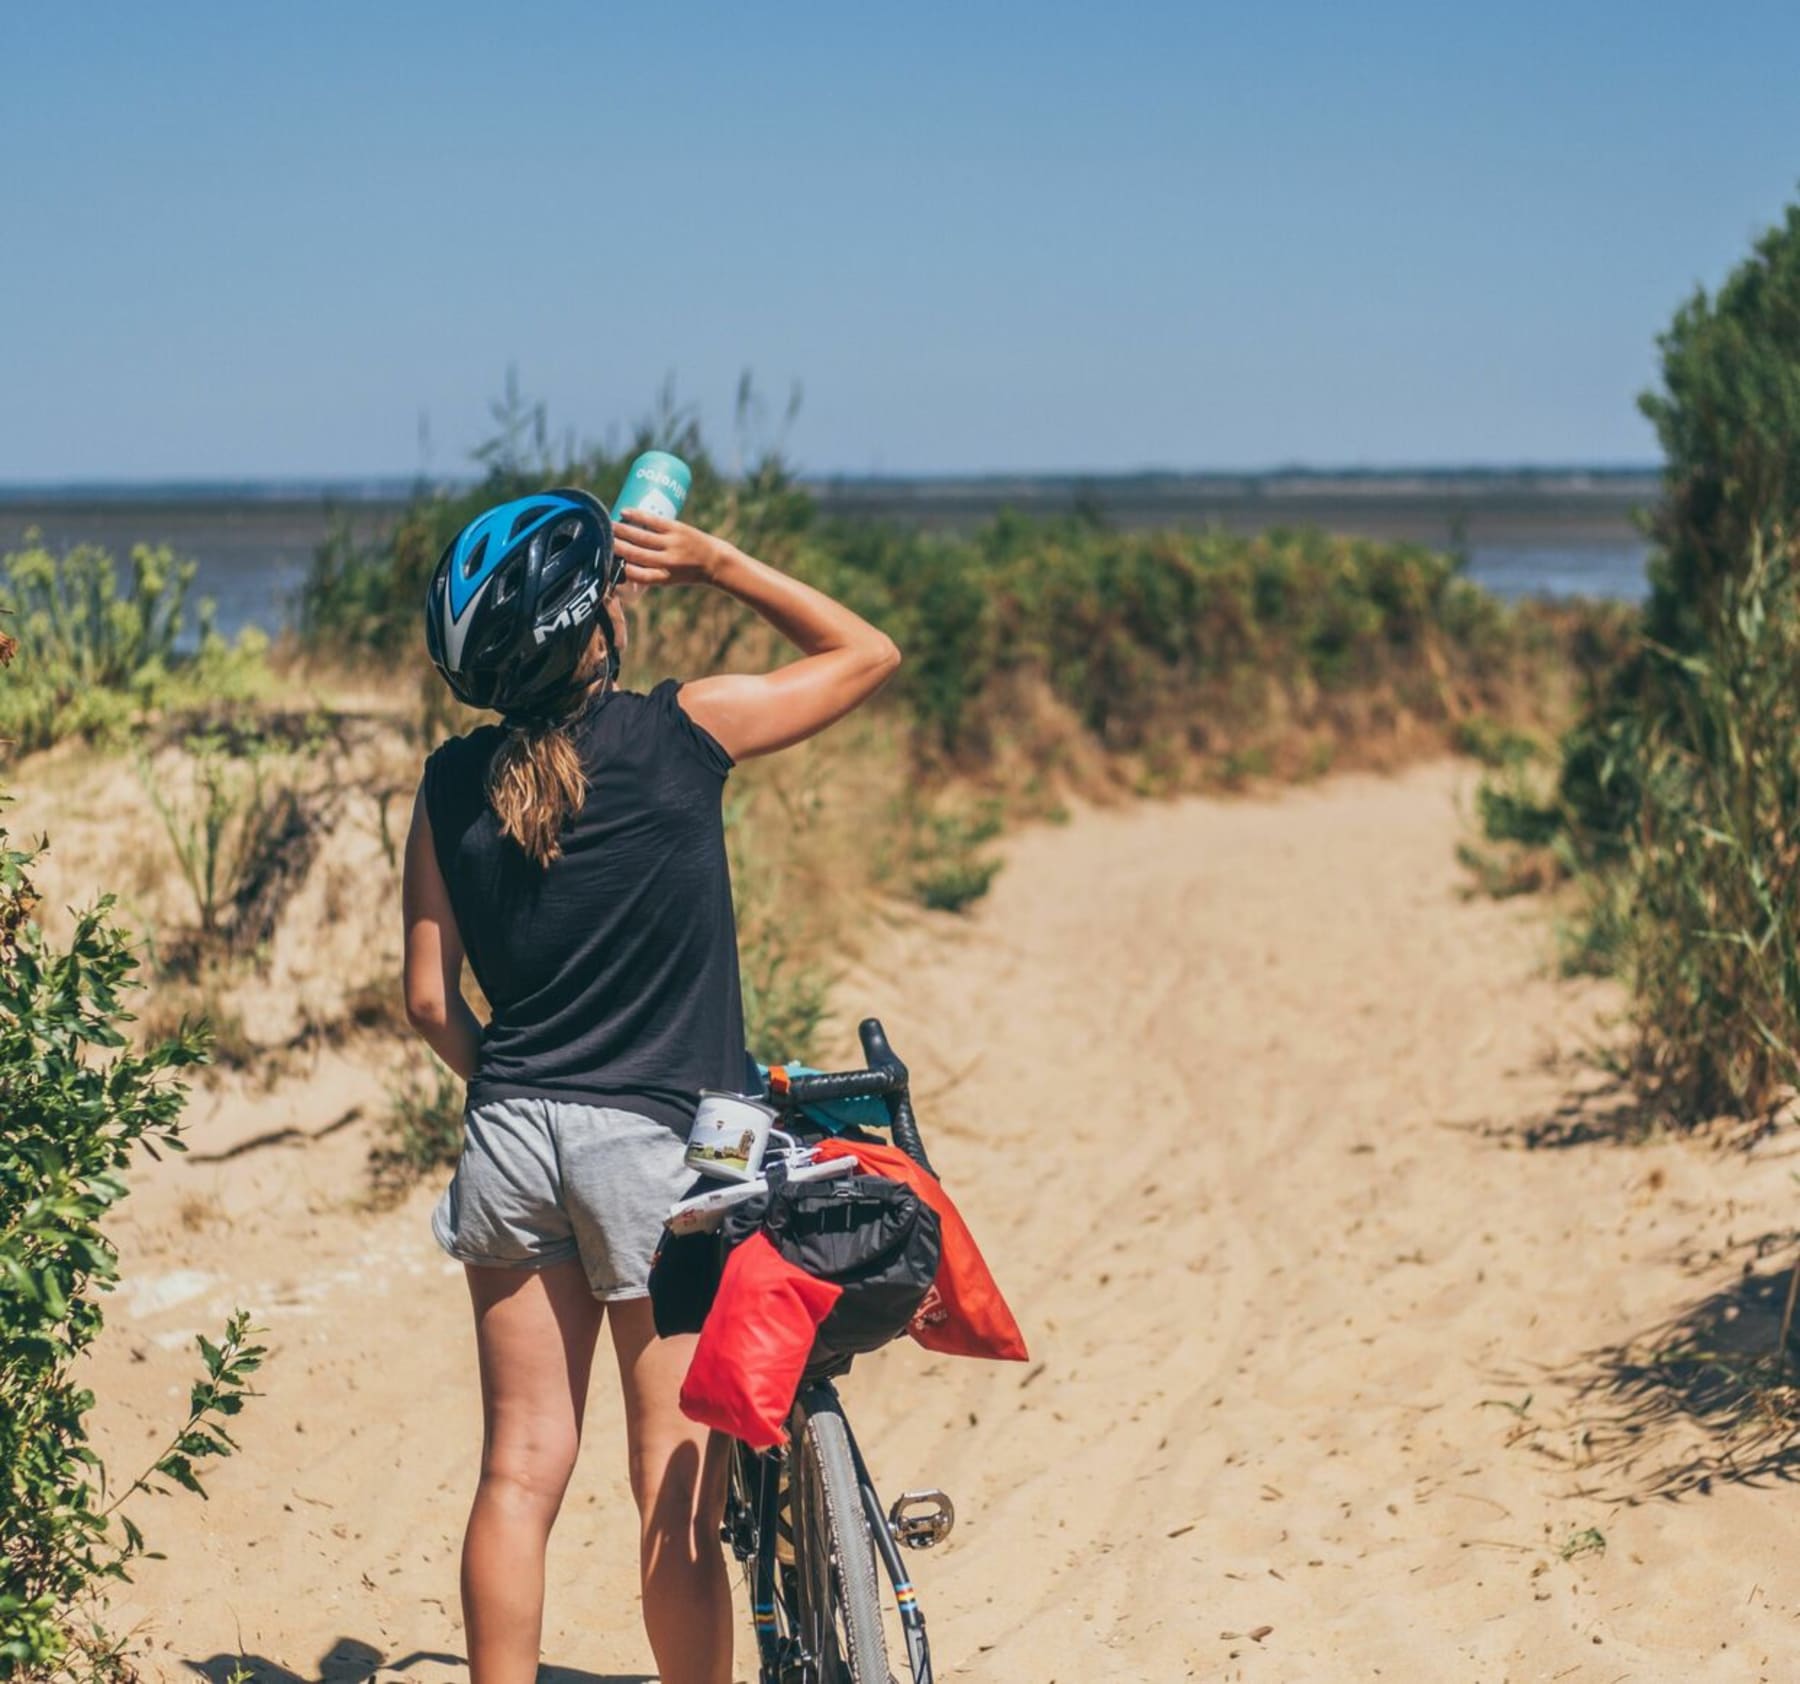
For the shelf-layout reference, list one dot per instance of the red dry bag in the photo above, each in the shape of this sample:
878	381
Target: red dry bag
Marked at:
754	1345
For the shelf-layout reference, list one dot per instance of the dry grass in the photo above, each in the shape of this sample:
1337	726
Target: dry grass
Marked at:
198	1212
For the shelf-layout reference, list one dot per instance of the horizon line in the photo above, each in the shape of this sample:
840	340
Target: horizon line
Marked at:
382	486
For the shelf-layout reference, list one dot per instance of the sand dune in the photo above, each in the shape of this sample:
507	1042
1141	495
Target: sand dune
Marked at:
1235	1094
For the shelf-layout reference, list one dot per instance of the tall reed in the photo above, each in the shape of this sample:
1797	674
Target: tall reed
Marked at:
1713	943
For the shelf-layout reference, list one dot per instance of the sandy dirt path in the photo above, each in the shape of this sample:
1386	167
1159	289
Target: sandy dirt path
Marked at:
1234	1094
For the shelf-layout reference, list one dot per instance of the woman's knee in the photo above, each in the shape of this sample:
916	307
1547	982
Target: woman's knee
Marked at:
530	1465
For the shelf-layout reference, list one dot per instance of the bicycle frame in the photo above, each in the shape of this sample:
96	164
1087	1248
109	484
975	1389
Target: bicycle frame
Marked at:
752	1529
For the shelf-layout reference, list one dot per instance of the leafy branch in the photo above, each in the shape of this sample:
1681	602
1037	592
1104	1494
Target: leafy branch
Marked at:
211	1403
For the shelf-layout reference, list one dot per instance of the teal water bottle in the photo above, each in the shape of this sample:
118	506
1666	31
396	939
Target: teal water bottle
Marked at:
658	483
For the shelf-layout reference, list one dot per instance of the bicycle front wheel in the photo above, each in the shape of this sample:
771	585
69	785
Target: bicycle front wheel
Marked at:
840	1606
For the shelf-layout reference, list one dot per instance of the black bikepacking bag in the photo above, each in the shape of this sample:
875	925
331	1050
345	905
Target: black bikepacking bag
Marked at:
874	1237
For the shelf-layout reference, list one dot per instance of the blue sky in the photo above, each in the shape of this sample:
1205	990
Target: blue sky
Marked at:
249	240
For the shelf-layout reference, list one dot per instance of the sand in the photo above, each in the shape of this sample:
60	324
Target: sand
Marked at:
1235	1095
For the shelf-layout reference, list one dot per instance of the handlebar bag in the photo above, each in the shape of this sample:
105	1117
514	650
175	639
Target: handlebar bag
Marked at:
870	1234
867	1234
964	1314
755	1345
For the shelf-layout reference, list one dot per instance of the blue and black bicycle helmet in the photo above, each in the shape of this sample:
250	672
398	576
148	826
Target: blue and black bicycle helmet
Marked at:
510	609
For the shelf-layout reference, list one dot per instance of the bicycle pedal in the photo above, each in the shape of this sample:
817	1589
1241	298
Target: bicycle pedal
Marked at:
921	1519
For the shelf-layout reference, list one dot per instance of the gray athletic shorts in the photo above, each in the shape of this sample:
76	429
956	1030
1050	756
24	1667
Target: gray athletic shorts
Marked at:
540	1181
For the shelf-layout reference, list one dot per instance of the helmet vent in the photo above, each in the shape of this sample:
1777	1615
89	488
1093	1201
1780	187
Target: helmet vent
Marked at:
472	561
506	585
493	647
559	593
523	519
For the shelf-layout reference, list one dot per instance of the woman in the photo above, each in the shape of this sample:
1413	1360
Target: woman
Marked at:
576	854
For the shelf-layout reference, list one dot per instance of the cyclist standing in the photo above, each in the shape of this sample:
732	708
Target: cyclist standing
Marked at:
575	853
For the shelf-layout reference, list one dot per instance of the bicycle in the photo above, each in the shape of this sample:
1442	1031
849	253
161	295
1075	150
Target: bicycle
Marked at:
806	1520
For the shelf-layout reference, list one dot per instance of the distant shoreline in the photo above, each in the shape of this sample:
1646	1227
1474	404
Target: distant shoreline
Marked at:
1530	530
1584	483
1433	506
1438	506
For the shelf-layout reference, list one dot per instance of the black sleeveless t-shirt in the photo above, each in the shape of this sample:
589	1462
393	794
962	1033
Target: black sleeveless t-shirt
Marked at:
613	972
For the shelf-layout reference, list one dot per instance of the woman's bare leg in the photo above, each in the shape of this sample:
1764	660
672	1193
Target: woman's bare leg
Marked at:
678	1478
535	1331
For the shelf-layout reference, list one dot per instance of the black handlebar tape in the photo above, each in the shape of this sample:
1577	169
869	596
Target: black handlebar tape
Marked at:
906	1133
877	1054
886	1079
847	1084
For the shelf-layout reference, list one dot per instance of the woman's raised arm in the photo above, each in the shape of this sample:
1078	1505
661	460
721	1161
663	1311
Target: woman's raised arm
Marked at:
844	660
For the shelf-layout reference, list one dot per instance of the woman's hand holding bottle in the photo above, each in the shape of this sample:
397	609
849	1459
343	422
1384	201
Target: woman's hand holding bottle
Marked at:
660	551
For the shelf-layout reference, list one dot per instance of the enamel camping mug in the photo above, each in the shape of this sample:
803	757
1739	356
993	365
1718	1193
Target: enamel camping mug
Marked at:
728	1137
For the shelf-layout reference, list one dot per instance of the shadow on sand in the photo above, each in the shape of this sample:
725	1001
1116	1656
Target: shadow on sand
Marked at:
1611	1113
1604	1106
351	1661
1703	1398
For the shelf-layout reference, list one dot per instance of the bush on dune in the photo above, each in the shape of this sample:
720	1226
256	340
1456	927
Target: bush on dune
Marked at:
1714	862
1699	756
1187	648
77	1103
98	658
1676	803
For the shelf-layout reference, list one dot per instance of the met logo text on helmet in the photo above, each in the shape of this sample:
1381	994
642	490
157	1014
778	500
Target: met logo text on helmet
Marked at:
579	607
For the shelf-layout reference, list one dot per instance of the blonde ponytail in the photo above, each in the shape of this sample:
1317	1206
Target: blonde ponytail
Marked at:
535	784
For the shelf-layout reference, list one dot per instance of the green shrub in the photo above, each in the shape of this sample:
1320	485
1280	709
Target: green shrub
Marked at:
948	872
1678	792
77	1102
1713	867
1178	644
1493	742
1728	419
1510	811
74	621
97	657
1596	939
